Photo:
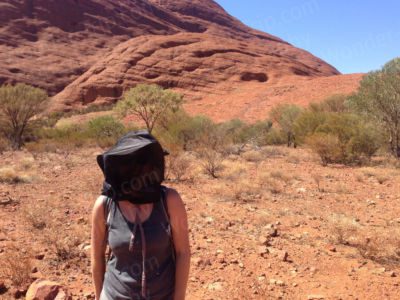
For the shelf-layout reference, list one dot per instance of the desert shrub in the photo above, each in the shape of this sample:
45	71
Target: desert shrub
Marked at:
253	156
37	214
327	146
12	176
341	138
239	133
149	103
275	137
307	123
3	145
211	162
105	130
178	166
66	138
16	266
285	115
64	243
333	104
380	244
19	104
379	98
179	130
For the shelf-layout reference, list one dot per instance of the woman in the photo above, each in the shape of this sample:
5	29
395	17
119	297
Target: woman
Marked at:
143	223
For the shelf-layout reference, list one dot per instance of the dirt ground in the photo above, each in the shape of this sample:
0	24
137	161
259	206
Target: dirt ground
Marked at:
275	224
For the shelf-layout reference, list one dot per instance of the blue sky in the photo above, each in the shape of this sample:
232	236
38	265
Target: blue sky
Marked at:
353	36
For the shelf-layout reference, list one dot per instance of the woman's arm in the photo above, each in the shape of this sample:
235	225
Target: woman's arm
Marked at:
98	245
180	234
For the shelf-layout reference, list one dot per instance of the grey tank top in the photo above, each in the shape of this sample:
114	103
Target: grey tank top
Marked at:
123	276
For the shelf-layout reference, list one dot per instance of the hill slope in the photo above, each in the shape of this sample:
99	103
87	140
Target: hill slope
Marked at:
90	51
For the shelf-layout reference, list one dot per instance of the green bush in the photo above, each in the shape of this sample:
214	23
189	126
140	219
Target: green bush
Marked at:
285	115
105	130
379	99
149	103
307	124
327	146
344	138
19	104
275	137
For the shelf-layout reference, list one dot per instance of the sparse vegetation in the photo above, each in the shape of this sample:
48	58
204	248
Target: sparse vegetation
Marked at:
105	130
149	103
285	116
379	98
19	104
16	266
211	162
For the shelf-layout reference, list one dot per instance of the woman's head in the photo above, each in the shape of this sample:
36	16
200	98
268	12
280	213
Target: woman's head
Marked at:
134	167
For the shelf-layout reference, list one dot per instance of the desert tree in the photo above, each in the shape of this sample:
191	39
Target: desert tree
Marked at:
19	105
149	103
285	115
379	98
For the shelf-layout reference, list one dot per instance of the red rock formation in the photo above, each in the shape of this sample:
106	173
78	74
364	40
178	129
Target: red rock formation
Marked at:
91	51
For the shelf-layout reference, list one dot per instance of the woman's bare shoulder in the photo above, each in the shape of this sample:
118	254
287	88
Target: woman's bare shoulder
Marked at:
98	207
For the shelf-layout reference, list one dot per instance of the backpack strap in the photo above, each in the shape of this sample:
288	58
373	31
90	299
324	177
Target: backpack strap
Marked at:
107	201
164	205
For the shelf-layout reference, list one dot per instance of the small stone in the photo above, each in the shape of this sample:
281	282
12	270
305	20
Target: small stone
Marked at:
301	190
262	250
331	248
3	287
215	286
263	240
39	256
379	271
283	255
315	297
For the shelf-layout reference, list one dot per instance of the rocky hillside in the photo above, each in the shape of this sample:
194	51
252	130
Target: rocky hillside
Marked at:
90	51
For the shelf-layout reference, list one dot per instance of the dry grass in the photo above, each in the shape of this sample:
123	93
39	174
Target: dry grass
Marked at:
178	167
232	170
212	163
16	266
27	163
11	175
37	214
382	178
318	180
380	244
369	172
253	156
274	151
64	242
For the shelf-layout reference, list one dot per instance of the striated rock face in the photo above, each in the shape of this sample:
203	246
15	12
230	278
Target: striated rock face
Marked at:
90	51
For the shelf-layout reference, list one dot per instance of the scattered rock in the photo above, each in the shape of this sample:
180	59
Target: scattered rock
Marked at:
283	255
46	290
3	287
262	250
315	297
215	286
379	271
39	256
19	293
278	282
270	230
